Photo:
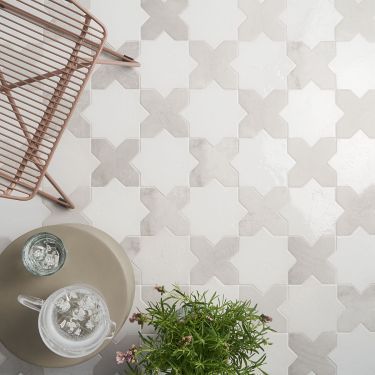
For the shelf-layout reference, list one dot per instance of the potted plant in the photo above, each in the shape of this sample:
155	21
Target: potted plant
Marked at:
197	334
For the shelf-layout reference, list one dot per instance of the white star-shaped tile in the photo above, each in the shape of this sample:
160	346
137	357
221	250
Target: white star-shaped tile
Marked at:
355	162
214	211
312	308
116	209
115	113
166	64
165	259
214	113
212	21
71	164
311	21
279	355
354	352
311	113
16	218
164	162
354	65
263	260
312	211
123	19
355	259
263	162
263	65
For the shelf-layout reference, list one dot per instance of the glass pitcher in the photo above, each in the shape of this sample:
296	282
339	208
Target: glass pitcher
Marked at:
73	321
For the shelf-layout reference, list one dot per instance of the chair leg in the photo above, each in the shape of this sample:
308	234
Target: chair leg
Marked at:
63	200
121	59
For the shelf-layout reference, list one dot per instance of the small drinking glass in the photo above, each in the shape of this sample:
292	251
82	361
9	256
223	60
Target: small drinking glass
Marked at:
43	254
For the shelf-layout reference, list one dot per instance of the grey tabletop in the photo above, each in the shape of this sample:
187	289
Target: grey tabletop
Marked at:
94	258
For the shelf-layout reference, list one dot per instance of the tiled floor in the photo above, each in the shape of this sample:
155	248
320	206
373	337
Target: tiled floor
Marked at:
240	158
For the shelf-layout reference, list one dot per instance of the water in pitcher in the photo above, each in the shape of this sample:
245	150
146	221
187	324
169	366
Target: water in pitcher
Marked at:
74	318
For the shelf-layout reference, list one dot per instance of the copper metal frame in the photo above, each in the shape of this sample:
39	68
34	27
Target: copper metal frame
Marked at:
48	48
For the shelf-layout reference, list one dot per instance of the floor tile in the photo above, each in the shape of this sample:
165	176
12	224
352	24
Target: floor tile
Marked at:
263	260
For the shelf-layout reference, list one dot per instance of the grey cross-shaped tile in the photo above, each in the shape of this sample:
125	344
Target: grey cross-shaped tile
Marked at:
164	16
262	17
312	260
359	113
132	246
312	162
213	65
358	18
263	113
78	125
268	303
214	260
164	113
263	211
115	162
128	78
359	308
312	65
313	356
81	197
359	210
214	162
165	211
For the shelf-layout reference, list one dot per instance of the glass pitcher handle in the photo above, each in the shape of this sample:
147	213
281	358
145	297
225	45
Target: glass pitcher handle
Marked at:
112	331
32	303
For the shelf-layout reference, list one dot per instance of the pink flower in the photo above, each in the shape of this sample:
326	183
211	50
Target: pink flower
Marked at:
138	317
128	356
187	340
160	289
265	318
120	358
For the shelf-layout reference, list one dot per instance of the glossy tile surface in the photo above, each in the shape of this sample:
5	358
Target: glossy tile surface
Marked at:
238	158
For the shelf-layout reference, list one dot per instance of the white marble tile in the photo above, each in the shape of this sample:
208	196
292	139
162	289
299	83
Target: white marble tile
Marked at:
311	113
72	164
115	113
312	308
312	211
311	21
116	209
123	19
279	355
16	218
263	162
263	260
166	64
164	162
165	259
263	65
354	352
354	65
355	259
355	162
213	23
214	211
213	113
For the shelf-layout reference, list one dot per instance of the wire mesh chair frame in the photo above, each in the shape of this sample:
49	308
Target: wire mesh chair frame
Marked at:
48	50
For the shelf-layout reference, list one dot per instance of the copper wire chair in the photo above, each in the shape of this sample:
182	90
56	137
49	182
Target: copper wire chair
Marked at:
48	48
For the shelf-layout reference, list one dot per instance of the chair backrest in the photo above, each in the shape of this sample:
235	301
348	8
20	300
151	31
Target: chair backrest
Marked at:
48	49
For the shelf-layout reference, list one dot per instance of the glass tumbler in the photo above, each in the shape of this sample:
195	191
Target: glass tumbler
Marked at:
43	254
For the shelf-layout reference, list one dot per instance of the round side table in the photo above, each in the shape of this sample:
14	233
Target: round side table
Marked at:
93	258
